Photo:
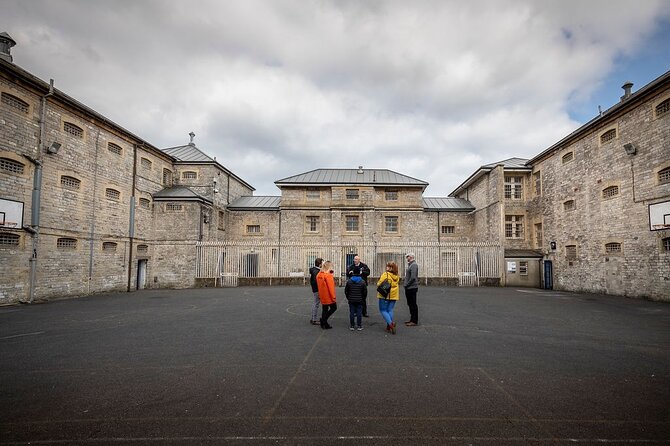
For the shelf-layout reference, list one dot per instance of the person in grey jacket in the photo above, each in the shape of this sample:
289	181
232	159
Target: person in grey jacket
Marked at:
411	288
313	271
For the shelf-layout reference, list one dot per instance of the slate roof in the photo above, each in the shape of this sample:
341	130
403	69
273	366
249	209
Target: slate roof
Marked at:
255	203
510	164
379	177
448	204
179	193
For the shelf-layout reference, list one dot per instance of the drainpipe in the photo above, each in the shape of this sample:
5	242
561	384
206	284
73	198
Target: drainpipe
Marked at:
131	222
36	195
93	203
279	246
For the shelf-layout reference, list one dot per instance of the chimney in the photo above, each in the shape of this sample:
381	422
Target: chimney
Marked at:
6	43
626	90
192	135
360	169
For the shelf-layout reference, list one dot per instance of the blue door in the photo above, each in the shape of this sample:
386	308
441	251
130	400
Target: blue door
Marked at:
548	275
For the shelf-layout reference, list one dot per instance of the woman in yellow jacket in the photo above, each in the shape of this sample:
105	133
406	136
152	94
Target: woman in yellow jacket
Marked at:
386	304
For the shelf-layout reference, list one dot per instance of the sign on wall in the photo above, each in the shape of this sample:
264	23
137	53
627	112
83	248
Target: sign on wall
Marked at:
11	214
659	216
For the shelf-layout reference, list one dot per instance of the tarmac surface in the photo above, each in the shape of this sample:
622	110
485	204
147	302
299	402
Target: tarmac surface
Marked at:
493	366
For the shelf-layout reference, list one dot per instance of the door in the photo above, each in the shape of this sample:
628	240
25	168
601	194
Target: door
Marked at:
141	274
548	275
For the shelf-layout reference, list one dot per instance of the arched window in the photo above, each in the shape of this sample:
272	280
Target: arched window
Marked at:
568	157
109	246
15	102
73	129
142	249
114	148
611	191
112	194
663	108
9	165
608	136
70	183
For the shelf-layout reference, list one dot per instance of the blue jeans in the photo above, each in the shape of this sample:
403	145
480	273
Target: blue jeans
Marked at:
355	310
386	309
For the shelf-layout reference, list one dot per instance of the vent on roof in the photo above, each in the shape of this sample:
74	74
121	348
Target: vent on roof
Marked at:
626	90
360	169
6	44
192	135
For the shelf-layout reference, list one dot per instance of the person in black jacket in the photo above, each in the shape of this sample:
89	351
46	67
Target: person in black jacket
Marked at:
356	291
359	268
313	271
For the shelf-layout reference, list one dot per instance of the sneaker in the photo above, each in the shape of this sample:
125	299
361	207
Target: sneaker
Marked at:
359	328
392	327
388	328
351	328
411	324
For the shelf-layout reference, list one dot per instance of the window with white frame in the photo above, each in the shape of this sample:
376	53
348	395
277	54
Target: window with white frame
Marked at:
312	223
352	194
514	226
523	268
514	187
351	222
391	223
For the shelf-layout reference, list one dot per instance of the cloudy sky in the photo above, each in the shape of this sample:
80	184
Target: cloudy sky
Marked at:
274	88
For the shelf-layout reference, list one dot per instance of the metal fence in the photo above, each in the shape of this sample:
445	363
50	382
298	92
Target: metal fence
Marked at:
467	262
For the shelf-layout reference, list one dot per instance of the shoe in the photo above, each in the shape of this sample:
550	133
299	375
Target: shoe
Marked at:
359	328
315	322
411	324
327	326
365	315
388	328
392	327
352	328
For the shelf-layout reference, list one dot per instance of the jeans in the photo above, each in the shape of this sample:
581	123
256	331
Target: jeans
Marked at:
315	307
356	310
386	309
410	294
327	312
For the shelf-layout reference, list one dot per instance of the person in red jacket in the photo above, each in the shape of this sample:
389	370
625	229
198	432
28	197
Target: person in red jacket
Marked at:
326	284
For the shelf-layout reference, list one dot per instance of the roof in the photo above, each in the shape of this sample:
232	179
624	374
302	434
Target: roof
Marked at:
378	177
179	193
523	253
448	204
255	203
508	164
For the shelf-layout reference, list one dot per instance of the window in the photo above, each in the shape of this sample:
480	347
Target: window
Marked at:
9	165
189	175
114	148
351	223
569	205
167	177
663	108
222	221
448	229
352	194
253	229
571	252
173	207
537	179
15	102
523	268
66	243
513	187
568	157
112	194
666	244
8	239
142	249
145	163
391	224
313	193
612	247
611	191
109	246
70	183
73	130
608	136
538	235
514	226
145	203
312	223
391	195
664	175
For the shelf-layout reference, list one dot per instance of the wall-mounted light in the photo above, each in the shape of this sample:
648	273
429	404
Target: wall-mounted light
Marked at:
630	149
53	148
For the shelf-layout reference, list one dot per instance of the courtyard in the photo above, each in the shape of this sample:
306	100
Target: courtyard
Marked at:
498	366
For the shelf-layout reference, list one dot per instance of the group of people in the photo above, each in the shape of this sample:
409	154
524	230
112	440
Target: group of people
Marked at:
322	281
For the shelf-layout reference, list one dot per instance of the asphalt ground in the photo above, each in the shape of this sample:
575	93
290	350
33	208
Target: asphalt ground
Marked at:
493	366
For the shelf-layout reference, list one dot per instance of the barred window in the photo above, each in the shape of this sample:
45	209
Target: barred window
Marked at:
568	157
70	183
114	148
351	222
9	239
537	177
523	268
145	163
9	165
608	136
73	129
391	195
15	102
569	205
448	229
253	229
352	194
313	193
167	177
571	252
112	194
66	243
189	175
514	226
312	223
513	187
538	235
666	244
145	203
664	175
142	249
109	246
173	207
613	247
663	108
611	191
391	224
222	220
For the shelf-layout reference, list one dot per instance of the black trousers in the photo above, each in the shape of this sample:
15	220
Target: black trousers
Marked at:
327	312
410	294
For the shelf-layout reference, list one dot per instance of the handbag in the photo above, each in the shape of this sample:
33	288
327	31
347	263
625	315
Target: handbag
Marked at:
384	288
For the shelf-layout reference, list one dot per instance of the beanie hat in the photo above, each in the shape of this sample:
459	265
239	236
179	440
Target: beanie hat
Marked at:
356	279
